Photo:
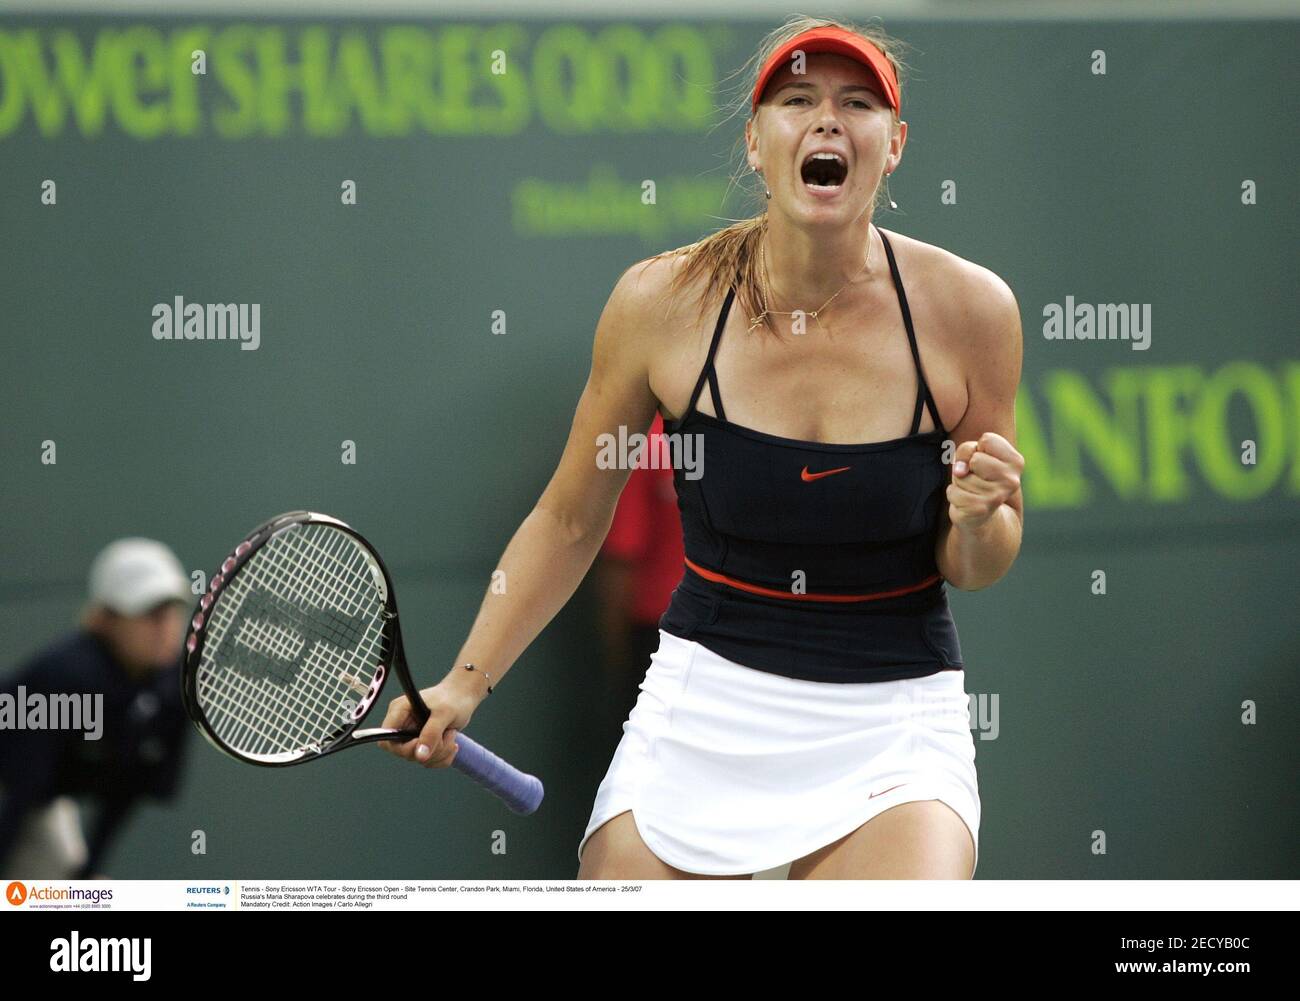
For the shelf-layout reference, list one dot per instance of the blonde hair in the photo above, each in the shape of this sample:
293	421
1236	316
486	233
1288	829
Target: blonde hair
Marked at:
733	250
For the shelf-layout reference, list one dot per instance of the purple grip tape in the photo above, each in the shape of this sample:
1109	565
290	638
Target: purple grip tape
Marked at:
522	793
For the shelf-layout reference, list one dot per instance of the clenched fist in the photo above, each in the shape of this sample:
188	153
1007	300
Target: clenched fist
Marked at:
985	475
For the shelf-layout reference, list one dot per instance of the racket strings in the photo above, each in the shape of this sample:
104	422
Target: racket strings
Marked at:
319	586
292	643
301	576
259	715
298	716
261	718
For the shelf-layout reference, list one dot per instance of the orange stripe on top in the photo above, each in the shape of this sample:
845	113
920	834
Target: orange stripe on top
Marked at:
774	593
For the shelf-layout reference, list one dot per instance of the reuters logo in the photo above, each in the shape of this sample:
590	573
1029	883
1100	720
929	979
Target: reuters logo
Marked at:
16	893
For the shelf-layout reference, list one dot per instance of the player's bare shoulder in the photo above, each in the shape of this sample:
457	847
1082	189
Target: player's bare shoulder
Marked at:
656	296
964	302
636	309
658	311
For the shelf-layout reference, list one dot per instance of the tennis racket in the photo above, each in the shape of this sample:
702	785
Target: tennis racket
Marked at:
292	644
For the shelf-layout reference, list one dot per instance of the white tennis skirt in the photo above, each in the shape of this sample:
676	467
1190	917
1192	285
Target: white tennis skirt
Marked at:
730	770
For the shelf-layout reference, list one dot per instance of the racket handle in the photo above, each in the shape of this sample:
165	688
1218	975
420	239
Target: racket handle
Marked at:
521	792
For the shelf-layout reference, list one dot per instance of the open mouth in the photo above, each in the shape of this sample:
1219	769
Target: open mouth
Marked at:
824	170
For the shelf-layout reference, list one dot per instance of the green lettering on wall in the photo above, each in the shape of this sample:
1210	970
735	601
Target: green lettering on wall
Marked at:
687	104
232	62
627	68
1111	439
186	114
274	80
568	101
355	84
407	58
1169	429
455	77
1291	382
12	92
1044	483
70	80
510	115
141	55
1219	456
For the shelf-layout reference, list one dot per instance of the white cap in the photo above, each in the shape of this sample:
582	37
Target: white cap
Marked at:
131	576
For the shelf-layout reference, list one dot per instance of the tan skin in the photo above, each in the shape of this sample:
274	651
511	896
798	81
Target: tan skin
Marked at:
850	381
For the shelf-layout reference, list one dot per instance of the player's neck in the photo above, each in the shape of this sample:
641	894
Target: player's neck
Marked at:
807	267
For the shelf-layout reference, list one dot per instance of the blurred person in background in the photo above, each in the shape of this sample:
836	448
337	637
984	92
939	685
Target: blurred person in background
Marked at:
127	650
640	563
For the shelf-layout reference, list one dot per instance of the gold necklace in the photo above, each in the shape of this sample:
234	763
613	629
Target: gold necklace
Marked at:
762	284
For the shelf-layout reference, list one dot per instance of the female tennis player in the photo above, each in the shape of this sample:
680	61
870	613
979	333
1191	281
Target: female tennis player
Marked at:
806	704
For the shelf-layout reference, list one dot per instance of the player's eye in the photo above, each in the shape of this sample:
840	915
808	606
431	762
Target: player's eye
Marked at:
857	100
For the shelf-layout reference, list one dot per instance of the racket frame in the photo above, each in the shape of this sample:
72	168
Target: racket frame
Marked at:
394	662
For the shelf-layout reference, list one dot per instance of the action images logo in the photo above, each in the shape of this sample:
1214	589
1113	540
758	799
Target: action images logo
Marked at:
17	894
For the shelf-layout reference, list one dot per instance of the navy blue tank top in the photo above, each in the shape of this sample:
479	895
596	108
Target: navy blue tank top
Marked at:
809	560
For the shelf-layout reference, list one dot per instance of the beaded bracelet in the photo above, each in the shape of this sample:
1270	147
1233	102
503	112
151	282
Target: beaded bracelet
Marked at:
471	667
